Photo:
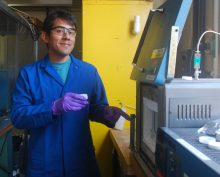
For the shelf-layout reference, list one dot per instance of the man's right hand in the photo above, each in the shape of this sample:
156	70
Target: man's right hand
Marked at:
69	102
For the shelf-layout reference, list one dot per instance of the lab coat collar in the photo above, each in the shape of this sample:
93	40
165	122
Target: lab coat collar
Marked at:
75	61
52	71
46	62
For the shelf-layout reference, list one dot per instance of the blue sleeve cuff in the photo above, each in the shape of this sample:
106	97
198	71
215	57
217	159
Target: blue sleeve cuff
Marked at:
45	118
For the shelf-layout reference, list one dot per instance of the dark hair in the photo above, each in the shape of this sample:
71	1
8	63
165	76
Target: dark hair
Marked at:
58	14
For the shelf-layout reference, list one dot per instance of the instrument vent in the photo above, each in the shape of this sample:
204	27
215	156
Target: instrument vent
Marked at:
192	112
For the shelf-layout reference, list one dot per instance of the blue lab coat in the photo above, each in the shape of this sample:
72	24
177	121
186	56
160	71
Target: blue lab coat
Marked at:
59	145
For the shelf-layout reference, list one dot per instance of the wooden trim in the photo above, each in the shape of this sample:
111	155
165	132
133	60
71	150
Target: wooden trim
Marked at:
121	141
3	131
138	171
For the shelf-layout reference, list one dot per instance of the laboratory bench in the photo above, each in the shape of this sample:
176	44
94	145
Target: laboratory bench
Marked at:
123	161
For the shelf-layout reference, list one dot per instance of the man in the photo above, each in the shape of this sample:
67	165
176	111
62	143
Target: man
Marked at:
47	101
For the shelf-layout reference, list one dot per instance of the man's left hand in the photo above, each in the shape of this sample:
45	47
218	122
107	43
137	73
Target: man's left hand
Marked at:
112	114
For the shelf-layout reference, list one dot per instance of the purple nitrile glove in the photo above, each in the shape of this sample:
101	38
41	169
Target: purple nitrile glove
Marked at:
112	114
69	102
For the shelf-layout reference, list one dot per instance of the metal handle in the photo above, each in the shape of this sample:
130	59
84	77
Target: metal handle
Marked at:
132	131
140	69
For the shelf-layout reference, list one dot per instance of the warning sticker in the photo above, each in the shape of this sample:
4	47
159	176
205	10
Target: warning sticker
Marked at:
157	53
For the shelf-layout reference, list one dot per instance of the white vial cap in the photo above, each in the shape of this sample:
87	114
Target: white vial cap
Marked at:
214	145
206	139
218	136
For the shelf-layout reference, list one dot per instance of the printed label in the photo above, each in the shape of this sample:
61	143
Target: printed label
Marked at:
150	77
157	53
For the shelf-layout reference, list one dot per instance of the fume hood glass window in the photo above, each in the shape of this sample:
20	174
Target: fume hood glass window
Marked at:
3	75
8	53
26	54
3	52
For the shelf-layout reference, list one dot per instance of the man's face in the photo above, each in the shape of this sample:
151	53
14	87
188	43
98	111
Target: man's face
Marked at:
60	45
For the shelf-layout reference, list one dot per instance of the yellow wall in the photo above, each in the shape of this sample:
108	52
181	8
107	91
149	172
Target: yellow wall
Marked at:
110	46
